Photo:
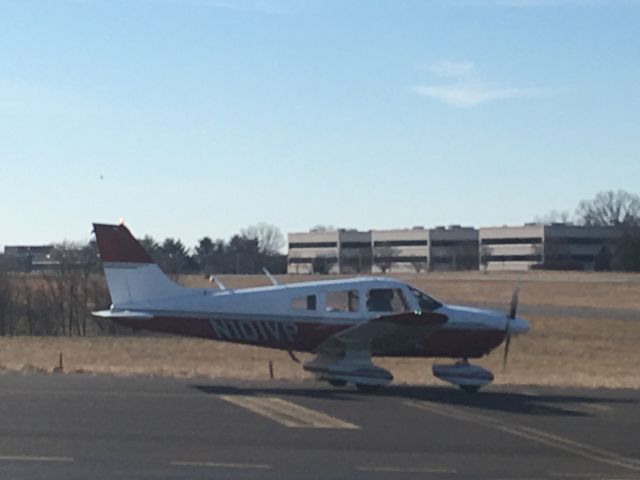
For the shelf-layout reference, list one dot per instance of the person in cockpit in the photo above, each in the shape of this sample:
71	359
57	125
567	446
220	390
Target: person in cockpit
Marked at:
379	300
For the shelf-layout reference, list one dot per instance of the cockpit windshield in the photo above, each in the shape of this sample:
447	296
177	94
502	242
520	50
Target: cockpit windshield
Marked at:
425	301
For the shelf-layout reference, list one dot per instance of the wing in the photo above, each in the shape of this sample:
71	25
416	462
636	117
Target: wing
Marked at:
346	356
384	335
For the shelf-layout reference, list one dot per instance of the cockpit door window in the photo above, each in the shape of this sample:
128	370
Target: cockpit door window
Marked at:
386	300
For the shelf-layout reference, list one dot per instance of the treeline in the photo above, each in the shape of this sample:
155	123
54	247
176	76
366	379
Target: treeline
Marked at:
245	253
60	299
618	209
55	302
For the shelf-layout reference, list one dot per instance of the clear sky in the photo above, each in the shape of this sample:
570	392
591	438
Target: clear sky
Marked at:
200	117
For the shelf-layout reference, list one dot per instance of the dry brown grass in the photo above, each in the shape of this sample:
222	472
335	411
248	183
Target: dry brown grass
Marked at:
558	351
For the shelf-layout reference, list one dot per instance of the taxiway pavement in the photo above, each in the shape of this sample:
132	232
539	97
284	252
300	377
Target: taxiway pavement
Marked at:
103	427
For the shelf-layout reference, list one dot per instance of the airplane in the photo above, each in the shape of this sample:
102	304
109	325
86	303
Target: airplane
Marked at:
344	322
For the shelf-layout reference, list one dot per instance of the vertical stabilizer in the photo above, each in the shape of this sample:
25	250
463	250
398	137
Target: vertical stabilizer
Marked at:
133	278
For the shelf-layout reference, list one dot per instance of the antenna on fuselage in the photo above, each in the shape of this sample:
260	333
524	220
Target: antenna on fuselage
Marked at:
217	281
273	279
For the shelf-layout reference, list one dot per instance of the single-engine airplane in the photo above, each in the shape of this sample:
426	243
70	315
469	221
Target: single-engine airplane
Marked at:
343	322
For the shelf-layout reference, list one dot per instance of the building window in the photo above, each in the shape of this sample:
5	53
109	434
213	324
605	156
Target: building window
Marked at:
400	259
585	241
583	258
511	241
355	244
454	243
514	258
313	245
400	243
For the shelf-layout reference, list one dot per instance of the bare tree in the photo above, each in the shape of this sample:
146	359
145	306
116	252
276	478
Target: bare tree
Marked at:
70	289
383	257
419	265
270	238
618	209
6	298
485	256
554	216
322	228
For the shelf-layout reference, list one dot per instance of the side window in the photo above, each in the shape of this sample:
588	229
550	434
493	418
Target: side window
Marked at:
304	303
343	301
386	300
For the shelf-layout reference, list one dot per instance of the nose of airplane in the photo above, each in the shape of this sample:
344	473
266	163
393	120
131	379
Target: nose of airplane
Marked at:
519	325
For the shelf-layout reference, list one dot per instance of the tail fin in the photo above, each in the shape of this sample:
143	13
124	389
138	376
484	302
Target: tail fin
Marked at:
133	277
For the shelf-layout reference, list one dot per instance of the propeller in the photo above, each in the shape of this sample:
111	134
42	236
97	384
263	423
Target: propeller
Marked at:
513	309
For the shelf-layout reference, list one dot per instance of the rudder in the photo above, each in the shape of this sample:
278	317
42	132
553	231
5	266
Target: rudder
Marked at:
133	278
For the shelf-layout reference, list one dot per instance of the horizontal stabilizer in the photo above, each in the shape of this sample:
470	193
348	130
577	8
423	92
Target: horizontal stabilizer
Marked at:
123	314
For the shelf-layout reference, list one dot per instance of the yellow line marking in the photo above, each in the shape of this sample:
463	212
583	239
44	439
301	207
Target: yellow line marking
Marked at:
221	465
262	406
287	413
555	441
33	458
367	468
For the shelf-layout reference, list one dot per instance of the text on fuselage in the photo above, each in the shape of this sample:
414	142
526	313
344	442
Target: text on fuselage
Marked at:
254	330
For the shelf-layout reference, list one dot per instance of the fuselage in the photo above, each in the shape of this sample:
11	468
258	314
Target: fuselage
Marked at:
300	316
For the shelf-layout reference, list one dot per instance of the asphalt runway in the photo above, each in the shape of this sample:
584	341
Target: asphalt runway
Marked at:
103	427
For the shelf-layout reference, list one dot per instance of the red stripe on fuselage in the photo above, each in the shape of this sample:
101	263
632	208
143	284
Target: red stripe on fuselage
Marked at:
306	336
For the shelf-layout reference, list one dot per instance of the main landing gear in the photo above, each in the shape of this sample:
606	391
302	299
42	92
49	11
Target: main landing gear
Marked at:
362	387
469	378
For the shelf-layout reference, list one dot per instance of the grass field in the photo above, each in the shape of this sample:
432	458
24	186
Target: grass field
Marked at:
561	350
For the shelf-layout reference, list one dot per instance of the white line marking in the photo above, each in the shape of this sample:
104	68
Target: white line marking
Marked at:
555	441
221	465
598	476
33	458
597	406
528	393
367	468
287	413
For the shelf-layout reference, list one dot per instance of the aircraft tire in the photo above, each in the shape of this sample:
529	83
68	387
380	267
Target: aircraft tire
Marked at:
337	383
469	388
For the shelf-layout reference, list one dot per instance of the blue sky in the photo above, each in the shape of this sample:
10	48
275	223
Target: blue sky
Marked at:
201	117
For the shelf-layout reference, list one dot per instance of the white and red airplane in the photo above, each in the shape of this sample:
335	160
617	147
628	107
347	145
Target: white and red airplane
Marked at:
343	322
